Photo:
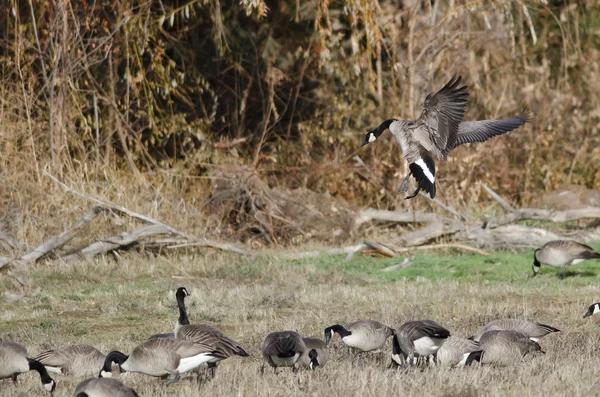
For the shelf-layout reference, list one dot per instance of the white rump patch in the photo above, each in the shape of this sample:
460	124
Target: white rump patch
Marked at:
464	360
426	170
54	370
372	137
576	261
426	345
189	363
286	361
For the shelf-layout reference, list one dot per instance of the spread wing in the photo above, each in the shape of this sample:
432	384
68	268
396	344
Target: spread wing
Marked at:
437	127
482	130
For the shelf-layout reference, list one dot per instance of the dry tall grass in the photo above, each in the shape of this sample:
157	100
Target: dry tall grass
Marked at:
116	306
126	104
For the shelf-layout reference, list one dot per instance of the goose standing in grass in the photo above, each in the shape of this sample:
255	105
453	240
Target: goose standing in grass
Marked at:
456	351
14	361
364	335
507	347
439	130
103	387
161	357
532	330
416	339
593	309
562	253
74	360
283	349
315	355
215	340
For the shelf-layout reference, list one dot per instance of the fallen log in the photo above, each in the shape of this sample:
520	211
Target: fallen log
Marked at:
372	214
204	242
429	232
511	237
543	215
115	242
56	241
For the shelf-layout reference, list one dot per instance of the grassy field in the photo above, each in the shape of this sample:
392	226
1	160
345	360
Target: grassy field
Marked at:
118	305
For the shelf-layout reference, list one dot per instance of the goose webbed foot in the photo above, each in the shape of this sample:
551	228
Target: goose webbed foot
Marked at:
213	369
404	186
414	194
175	379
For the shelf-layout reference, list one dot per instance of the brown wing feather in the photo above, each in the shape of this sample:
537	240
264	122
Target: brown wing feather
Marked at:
441	116
212	338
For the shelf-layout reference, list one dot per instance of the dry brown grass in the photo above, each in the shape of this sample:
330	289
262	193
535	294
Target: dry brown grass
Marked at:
116	306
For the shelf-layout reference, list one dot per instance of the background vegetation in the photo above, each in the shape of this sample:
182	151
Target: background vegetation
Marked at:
144	103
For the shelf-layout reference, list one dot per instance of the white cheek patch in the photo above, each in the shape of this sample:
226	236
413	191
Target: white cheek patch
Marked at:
426	170
105	374
596	309
372	137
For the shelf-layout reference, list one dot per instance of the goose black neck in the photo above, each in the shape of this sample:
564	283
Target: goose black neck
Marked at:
183	317
340	330
35	365
382	127
114	357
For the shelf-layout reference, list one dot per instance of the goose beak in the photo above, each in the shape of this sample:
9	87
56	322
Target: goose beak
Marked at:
588	313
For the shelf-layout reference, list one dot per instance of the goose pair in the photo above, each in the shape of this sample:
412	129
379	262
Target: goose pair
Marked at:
364	335
288	348
505	347
438	130
562	253
14	361
163	355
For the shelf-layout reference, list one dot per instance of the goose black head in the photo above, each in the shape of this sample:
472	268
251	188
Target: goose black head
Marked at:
181	291
314	359
593	309
374	134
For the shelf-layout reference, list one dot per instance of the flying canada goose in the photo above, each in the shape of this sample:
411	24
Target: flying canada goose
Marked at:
315	355
416	339
593	309
74	360
211	337
532	330
103	387
364	335
14	361
562	253
283	349
439	130
161	357
506	347
456	351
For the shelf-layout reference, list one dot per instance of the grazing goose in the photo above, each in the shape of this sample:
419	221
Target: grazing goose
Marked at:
74	360
103	387
532	330
417	339
364	335
562	253
283	349
315	355
506	347
593	309
456	351
438	131
161	357
14	361
211	337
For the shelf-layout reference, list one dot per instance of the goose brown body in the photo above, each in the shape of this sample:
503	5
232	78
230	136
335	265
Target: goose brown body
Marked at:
75	360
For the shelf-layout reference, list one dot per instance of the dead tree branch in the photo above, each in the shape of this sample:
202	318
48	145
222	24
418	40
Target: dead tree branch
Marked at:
543	215
507	207
57	241
114	207
112	243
